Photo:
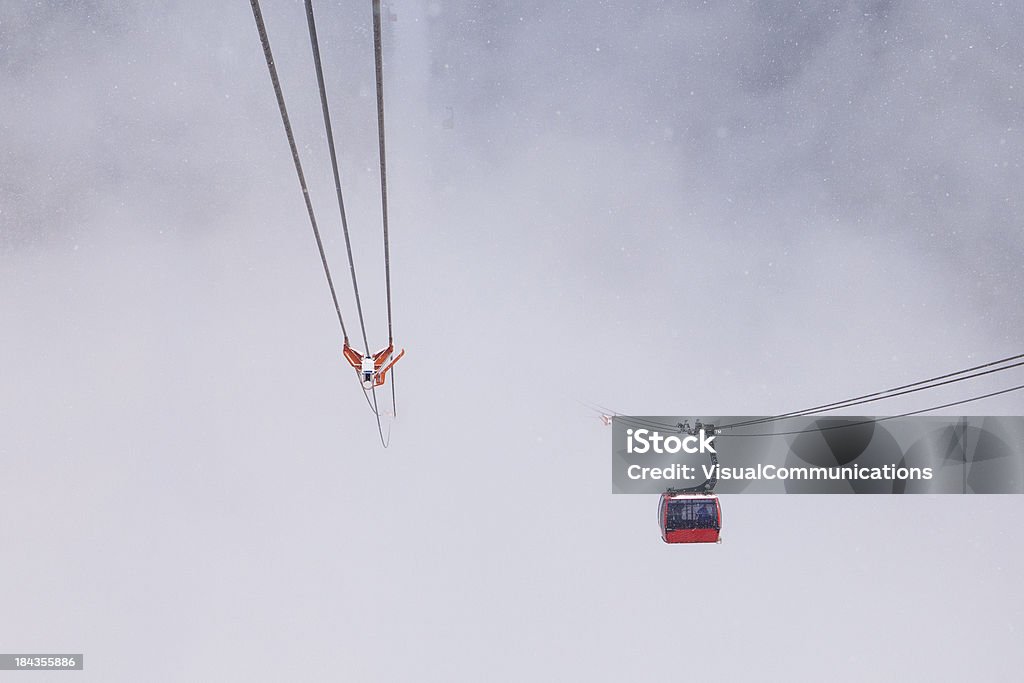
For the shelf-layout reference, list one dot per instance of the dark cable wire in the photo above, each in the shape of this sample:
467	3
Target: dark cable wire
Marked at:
394	403
315	44
265	40
379	65
378	60
890	417
369	403
852	402
838	404
888	393
380	430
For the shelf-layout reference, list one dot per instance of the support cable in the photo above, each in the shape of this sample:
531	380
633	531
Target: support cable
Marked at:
268	55
378	60
888	393
889	417
379	67
315	44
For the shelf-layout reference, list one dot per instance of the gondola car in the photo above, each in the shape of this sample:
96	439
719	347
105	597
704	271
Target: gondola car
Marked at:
690	517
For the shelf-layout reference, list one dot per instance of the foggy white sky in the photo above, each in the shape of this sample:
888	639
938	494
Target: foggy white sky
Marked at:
768	205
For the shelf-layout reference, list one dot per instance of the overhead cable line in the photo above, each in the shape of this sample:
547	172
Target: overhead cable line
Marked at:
380	430
883	419
888	393
315	44
379	68
268	55
378	60
859	400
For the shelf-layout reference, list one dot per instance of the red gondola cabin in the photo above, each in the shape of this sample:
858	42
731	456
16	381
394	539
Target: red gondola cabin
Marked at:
690	518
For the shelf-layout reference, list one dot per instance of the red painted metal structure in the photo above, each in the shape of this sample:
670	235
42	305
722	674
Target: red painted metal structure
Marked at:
690	517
